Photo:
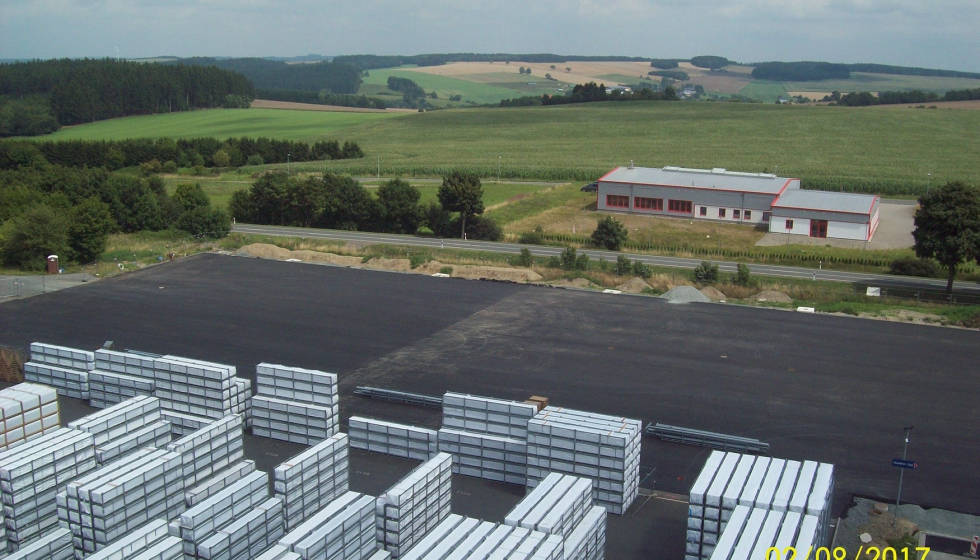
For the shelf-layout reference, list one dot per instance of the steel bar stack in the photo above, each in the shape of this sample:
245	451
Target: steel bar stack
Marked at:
28	411
294	404
183	424
484	455
31	476
460	538
587	541
64	368
415	505
751	532
108	503
107	388
729	480
213	514
603	448
62	356
125	427
311	480
248	535
399	440
55	545
210	449
218	482
485	415
149	541
555	506
345	528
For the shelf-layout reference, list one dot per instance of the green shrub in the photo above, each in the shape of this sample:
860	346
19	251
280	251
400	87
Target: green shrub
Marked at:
199	170
915	267
742	276
582	262
603	265
255	159
38	232
170	167
205	221
624	266
554	262
531	238
525	259
446	270
609	233
706	273
642	270
418	260
569	258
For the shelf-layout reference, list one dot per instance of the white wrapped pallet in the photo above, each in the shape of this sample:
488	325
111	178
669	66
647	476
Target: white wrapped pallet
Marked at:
459	538
242	400
751	532
120	419
218	482
31	476
107	388
55	545
414	505
199	523
278	552
28	411
167	548
68	382
487	456
555	506
486	415
135	542
390	438
108	503
297	384
309	481
210	449
182	424
292	421
345	527
71	358
248	535
157	434
588	539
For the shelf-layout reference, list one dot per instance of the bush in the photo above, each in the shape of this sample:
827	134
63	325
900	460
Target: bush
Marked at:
624	266
205	222
569	258
170	167
706	273
915	267
255	159
582	262
418	260
151	167
38	232
477	227
554	262
603	265
531	238
446	270
90	224
524	259
199	170
742	275
642	269
609	233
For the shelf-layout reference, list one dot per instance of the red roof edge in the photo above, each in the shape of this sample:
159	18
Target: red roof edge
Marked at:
610	173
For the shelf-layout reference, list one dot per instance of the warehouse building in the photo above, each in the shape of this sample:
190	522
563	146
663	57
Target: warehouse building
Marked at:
760	199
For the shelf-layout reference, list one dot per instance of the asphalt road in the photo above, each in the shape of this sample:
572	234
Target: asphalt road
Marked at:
882	280
826	388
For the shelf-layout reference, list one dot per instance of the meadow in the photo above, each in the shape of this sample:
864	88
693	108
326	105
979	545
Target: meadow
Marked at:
861	81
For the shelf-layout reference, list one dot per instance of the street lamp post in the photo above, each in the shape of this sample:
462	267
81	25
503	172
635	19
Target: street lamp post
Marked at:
287	163
498	168
901	477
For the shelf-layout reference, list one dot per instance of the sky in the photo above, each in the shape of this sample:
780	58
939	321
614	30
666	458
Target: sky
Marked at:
927	33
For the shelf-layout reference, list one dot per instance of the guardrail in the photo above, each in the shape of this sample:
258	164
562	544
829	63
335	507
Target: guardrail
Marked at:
413	399
713	440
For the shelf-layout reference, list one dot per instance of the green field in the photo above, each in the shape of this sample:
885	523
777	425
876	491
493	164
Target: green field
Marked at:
767	92
860	81
220	123
444	86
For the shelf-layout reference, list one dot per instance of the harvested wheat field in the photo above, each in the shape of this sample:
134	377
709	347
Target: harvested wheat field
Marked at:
582	72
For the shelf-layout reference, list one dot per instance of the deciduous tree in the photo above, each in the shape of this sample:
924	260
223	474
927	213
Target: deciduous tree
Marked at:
463	193
947	227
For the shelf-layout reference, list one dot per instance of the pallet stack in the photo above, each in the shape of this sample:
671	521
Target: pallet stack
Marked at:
603	448
484	455
345	528
219	481
311	480
31	476
729	480
485	415
415	505
55	545
71	358
107	388
110	502
28	411
462	538
399	440
588	540
199	523
210	449
294	404
183	424
248	535
65	369
751	532
146	542
555	506
125	427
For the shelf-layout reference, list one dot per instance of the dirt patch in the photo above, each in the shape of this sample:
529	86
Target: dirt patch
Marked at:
319	256
713	293
773	296
575	283
633	286
881	527
402	265
266	251
475	272
907	316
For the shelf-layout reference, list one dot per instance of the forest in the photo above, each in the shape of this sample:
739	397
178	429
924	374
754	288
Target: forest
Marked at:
334	77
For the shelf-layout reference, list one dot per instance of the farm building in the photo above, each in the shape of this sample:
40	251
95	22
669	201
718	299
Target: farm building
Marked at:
760	199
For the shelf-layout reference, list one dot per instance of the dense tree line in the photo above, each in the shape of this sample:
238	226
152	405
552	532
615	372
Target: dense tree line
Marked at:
866	98
26	116
371	61
665	63
800	71
910	71
589	93
962	95
320	98
710	62
188	152
70	212
334	77
678	75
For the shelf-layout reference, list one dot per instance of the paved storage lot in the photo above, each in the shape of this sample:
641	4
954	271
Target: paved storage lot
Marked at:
832	389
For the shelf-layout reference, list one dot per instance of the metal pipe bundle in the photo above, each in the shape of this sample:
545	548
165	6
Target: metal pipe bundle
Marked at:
487	456
311	480
390	438
415	505
345	528
209	516
486	415
210	449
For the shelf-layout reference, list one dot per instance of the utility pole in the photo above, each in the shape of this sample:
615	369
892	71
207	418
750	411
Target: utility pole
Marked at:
287	163
379	167
901	477
498	168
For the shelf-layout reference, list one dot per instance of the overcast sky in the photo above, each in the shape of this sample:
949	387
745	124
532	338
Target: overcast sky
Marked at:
929	33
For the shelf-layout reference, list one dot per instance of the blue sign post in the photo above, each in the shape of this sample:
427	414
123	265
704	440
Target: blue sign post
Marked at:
903	464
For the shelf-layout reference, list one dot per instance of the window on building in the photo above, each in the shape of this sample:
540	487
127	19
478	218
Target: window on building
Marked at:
766	216
683	206
617	201
748	214
642	203
789	224
704	210
721	212
736	214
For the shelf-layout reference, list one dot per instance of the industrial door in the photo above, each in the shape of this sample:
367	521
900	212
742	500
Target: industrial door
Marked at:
818	228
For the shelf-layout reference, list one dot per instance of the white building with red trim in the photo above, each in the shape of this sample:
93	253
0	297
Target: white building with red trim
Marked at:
760	199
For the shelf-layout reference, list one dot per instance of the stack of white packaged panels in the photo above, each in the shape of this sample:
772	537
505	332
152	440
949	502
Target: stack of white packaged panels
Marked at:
139	543
292	421
71	358
486	415
27	411
199	523
248	535
399	440
183	424
69	382
603	448
106	504
309	481
555	506
485	455
241	400
55	545
31	477
342	529
210	449
278	552
219	481
729	480
107	388
460	538
297	384
414	505
125	427
588	540
751	532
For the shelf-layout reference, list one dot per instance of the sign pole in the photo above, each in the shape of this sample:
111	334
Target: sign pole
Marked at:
901	477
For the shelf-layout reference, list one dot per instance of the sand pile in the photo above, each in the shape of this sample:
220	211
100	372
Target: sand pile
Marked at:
685	294
266	251
318	256
403	265
576	283
774	296
714	294
633	286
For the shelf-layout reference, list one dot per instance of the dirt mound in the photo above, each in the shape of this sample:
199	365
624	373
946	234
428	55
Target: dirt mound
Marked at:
633	286
908	316
774	296
266	251
576	283
317	256
685	294
522	275
714	294
403	265
431	267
